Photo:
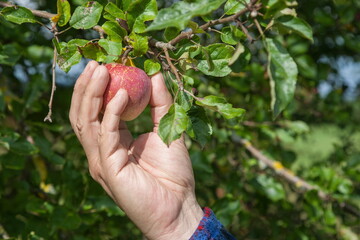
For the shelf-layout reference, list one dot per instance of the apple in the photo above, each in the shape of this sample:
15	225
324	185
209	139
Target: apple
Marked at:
137	84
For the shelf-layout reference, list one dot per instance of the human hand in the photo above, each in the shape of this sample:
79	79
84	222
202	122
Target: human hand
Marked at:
151	182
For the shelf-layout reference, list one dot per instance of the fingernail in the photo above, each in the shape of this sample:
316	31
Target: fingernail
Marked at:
97	72
89	65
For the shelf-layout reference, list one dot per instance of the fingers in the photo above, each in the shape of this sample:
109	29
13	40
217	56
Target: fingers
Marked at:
113	153
79	90
87	124
160	100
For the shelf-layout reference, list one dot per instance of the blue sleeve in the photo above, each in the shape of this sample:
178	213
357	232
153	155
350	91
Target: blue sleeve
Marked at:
210	228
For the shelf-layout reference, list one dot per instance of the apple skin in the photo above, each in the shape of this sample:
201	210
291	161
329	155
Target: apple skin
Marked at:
137	84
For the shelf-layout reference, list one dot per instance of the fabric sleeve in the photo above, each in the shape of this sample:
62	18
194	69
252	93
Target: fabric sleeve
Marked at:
210	228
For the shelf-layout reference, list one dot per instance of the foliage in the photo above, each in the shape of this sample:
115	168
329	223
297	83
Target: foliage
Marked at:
268	57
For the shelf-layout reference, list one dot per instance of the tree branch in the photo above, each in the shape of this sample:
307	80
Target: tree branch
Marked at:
42	14
173	69
250	7
158	44
289	176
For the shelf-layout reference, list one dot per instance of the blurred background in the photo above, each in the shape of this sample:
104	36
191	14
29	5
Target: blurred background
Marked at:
47	193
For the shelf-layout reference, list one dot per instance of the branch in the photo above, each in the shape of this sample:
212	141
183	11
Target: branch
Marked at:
53	87
42	14
289	176
173	69
250	7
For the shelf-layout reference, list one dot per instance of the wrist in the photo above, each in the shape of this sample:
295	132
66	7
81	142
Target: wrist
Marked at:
186	223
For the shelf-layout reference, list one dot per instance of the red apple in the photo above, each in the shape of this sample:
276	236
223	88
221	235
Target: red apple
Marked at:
135	82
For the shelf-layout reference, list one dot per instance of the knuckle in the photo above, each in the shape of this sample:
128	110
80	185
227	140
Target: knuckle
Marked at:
79	127
95	174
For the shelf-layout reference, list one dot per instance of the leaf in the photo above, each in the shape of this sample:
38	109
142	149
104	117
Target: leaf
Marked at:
180	13
231	35
93	51
114	11
139	12
238	51
86	16
214	60
220	105
296	25
272	189
233	6
63	10
184	100
114	31
23	147
139	43
151	67
18	15
199	128
283	73
10	54
70	54
273	7
113	49
173	124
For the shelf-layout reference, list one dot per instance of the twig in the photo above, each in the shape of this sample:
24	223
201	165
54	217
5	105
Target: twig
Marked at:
53	88
42	14
125	55
173	69
290	177
245	30
251	6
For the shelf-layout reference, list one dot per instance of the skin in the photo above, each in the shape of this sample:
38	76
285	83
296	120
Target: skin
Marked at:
152	183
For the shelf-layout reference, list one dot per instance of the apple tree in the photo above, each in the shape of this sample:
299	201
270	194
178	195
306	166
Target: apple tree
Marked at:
275	156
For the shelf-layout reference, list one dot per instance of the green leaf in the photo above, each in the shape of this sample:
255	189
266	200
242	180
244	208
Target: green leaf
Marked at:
180	13
56	45
93	51
173	124
283	73
184	100
114	31
114	11
170	33
86	16
63	10
139	12
199	128
65	218
18	15
10	54
295	25
240	49
272	189
139	44
37	53
214	60
220	105
231	35
273	7
234	6
113	49
70	54
13	161
23	147
151	67
46	150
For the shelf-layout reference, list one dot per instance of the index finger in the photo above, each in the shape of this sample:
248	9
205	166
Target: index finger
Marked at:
160	100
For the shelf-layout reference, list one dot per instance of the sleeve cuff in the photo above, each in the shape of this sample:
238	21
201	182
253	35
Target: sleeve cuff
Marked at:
210	228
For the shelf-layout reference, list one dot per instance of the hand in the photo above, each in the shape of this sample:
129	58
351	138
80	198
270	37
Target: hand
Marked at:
151	182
